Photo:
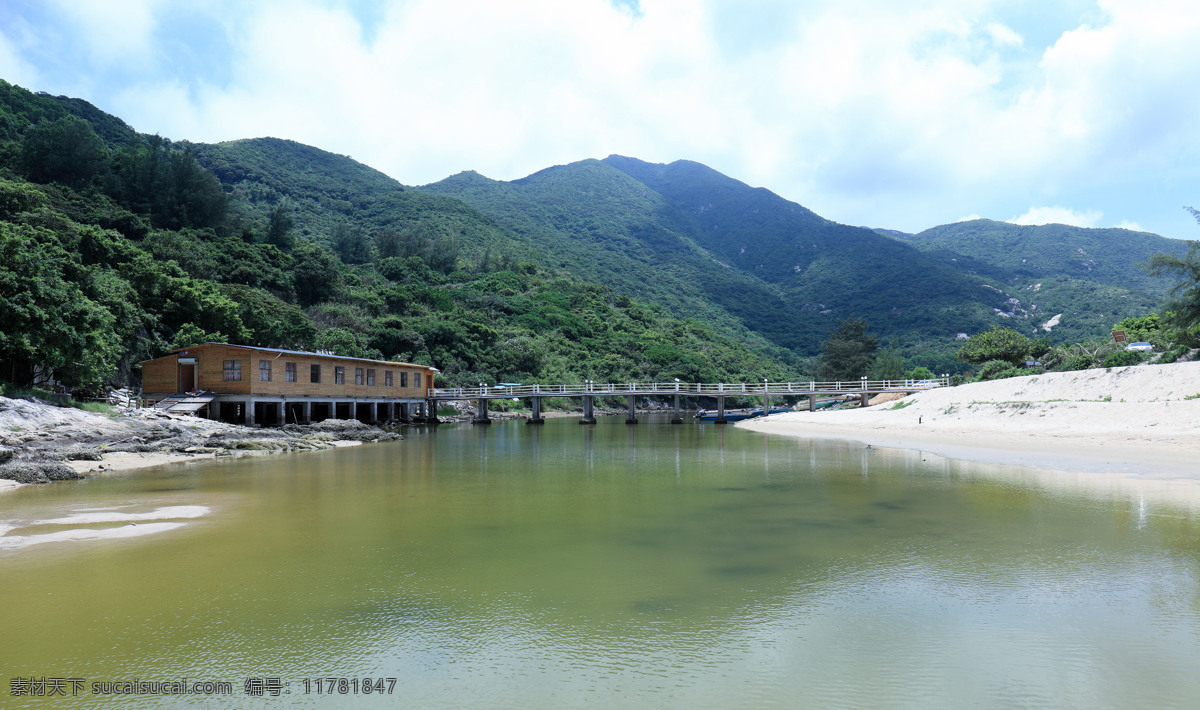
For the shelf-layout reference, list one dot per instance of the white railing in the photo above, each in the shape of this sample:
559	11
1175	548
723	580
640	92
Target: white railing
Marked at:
692	388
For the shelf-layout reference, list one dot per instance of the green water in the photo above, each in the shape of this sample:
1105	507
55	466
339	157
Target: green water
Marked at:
607	566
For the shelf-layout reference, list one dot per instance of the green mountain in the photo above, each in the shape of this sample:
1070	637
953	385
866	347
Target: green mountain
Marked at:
1087	279
115	246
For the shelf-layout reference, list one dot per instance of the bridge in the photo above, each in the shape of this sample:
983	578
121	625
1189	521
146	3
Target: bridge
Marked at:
588	390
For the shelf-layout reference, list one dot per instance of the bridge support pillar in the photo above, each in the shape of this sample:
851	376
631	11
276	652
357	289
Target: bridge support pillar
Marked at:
536	405
865	397
588	417
812	402
720	410
676	418
481	412
631	418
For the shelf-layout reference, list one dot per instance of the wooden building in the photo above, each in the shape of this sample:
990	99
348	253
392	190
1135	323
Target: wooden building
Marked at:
251	385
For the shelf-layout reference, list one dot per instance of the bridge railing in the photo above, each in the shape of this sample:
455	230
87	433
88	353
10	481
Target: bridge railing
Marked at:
729	389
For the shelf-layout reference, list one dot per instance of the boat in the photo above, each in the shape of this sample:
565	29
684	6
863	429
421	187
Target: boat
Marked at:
734	415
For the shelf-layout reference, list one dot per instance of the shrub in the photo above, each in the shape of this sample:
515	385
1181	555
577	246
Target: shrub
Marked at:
1123	358
992	368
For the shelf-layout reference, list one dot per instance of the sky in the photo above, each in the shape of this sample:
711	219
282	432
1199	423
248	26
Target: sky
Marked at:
881	113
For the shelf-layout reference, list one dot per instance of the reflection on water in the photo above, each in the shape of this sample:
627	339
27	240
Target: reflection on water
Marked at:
629	566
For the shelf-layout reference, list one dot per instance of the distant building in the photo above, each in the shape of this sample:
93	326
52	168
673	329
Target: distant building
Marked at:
251	385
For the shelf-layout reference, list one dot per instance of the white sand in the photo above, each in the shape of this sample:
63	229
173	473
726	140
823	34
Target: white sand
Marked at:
1132	421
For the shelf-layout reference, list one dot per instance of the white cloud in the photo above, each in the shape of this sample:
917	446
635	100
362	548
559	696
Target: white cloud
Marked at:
13	68
114	31
1131	226
1058	215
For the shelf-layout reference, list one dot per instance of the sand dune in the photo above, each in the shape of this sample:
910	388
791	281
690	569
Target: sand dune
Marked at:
1140	421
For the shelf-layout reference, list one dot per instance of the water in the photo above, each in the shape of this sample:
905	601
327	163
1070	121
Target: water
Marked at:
618	566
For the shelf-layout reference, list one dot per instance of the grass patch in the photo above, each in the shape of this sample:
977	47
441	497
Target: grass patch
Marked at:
901	404
1193	396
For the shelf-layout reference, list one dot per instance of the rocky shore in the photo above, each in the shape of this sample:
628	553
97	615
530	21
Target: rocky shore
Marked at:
42	442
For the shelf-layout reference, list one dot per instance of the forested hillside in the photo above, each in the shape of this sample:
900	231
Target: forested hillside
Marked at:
1091	278
115	246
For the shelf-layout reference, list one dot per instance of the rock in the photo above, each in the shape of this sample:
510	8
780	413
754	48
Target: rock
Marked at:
5	454
27	472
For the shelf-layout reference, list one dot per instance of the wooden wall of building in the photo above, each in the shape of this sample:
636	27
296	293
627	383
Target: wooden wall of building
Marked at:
163	373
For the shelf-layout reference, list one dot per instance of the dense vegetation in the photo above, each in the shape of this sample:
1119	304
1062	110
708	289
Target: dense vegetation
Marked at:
116	246
1088	278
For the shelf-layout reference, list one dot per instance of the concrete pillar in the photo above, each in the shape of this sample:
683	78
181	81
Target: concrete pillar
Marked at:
536	405
588	418
812	402
631	418
307	409
865	396
250	412
430	409
214	410
404	412
677	418
720	410
481	416
353	409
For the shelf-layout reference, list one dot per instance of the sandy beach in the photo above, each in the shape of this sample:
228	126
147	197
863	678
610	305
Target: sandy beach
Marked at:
1135	422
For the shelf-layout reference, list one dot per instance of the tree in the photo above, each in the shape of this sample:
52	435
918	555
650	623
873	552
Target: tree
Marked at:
1185	294
65	150
996	344
279	229
889	363
849	352
350	244
45	318
316	272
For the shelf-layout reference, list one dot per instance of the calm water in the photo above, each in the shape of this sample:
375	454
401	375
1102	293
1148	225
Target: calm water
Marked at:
614	566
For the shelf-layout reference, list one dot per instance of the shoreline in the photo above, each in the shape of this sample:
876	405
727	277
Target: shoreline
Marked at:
1140	424
42	442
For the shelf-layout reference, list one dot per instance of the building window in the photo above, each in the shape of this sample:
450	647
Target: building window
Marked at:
233	370
404	378
370	377
314	374
339	375
387	378
289	372
416	379
358	375
264	370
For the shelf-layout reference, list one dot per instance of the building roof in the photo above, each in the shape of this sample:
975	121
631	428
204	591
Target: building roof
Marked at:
303	353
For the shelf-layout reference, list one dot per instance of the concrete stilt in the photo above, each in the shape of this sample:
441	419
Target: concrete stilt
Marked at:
721	410
307	409
535	404
481	412
588	417
865	397
677	418
812	402
430	407
250	412
631	418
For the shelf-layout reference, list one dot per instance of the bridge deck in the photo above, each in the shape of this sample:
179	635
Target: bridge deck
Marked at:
724	389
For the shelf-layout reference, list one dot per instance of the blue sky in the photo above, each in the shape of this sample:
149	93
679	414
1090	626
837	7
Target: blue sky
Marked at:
872	112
